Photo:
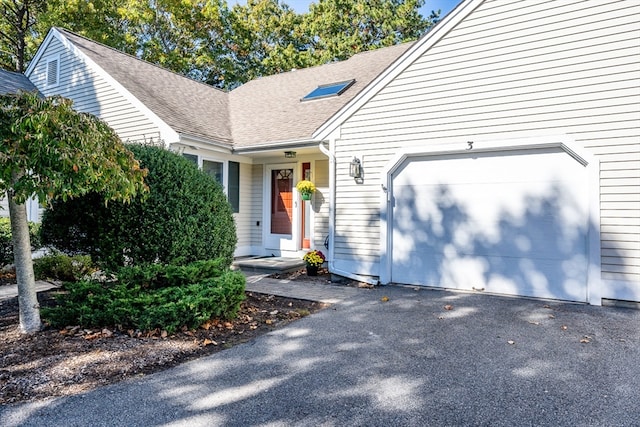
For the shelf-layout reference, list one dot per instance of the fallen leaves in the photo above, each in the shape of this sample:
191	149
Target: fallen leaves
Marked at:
586	339
87	334
448	307
384	299
364	285
76	358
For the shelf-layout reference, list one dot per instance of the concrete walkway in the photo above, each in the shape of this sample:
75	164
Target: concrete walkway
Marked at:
327	293
11	291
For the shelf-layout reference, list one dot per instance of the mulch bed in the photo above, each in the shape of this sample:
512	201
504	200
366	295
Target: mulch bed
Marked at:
64	362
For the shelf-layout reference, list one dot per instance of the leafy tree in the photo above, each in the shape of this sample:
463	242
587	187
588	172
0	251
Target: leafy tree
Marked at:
100	20
265	38
51	151
340	28
165	32
17	20
208	41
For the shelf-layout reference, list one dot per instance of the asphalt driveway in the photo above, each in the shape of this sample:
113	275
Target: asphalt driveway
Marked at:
409	361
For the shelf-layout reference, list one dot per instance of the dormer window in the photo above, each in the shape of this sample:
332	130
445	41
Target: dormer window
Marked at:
329	90
53	71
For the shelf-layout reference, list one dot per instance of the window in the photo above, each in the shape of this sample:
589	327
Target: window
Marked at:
325	91
53	71
214	170
191	157
234	186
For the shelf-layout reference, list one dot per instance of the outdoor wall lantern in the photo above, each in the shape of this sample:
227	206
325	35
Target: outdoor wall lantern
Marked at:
355	169
290	154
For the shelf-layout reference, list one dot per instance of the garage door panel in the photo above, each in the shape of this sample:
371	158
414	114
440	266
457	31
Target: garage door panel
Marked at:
514	276
511	225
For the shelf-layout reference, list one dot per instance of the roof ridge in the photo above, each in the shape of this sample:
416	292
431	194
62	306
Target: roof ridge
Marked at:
64	30
326	64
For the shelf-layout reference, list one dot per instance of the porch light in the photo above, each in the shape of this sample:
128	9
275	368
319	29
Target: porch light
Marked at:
290	154
355	168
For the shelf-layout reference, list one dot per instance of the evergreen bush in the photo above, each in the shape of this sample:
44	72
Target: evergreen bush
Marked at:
6	245
126	304
185	217
63	267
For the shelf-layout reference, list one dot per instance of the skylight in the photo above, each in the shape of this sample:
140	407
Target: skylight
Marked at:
332	89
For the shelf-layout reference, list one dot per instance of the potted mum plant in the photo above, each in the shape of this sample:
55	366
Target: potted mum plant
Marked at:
314	260
306	189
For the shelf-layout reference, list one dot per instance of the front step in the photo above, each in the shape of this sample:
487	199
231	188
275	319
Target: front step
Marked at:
268	265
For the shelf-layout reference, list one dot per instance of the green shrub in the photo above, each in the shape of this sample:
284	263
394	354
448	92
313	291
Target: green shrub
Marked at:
130	305
6	245
161	276
185	218
62	267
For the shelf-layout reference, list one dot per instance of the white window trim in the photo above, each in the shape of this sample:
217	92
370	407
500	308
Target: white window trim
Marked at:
225	170
46	71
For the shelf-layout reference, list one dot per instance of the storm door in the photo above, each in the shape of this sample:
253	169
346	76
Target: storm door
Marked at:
282	216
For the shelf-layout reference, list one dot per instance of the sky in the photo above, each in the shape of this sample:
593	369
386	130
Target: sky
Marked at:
445	6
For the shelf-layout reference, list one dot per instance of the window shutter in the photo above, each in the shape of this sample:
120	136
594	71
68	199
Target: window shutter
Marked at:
234	186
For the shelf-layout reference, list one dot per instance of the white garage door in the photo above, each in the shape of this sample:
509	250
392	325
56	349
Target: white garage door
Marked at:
511	222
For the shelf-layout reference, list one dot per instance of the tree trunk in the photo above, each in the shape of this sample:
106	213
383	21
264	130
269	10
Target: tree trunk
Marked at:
27	297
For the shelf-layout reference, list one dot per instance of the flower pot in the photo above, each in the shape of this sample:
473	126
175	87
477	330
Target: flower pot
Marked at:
312	270
306	196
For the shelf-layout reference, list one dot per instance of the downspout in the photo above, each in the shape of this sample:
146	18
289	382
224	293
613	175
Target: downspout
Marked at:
332	218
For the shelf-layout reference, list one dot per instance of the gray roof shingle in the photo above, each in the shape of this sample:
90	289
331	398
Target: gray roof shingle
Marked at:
11	82
261	112
270	110
188	106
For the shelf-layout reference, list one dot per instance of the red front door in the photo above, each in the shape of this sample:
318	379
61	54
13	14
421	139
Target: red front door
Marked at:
281	201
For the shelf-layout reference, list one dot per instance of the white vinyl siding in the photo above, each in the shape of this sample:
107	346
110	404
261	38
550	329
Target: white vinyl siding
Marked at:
93	94
320	204
255	203
244	218
511	69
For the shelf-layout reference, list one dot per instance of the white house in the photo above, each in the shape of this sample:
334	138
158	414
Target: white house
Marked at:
499	153
256	140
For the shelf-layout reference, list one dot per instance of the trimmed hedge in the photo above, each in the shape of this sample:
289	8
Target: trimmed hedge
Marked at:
6	245
185	217
157	276
128	305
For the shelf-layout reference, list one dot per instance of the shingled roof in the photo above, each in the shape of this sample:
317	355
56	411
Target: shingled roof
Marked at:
262	112
11	82
269	109
188	106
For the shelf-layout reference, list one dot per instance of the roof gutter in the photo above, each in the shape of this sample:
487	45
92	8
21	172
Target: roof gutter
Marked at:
207	142
257	148
332	220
